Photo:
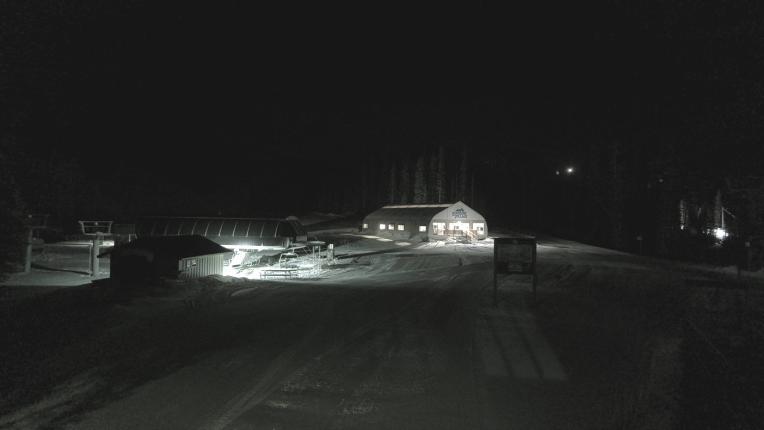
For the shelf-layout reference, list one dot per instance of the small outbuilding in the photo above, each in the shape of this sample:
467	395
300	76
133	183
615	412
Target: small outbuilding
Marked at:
426	222
175	257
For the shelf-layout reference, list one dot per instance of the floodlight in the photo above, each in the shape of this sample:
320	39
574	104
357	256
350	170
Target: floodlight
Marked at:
720	233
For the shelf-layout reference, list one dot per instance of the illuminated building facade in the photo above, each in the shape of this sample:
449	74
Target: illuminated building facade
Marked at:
426	222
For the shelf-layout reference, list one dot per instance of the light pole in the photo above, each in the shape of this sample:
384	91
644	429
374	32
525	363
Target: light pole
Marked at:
566	199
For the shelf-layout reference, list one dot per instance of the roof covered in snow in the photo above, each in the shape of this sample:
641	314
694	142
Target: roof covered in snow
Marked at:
438	205
397	213
414	214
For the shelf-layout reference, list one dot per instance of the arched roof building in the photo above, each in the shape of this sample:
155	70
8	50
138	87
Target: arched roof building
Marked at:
232	233
426	222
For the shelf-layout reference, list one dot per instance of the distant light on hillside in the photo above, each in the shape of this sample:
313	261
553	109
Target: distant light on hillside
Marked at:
720	233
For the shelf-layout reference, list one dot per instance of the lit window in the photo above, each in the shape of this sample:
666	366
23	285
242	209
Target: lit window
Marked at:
422	228
191	263
400	227
391	227
365	226
478	226
381	226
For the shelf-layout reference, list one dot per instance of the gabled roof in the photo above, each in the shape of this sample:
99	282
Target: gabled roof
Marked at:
176	246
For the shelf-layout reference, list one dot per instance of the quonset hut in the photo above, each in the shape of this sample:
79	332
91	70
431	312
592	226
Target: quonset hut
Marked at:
232	233
426	222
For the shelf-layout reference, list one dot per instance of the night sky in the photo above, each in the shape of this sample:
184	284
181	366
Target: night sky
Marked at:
281	99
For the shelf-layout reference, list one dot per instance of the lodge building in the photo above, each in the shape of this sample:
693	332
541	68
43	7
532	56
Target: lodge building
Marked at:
426	222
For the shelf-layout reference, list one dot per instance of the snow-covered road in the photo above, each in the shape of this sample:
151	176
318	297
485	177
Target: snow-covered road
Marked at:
408	338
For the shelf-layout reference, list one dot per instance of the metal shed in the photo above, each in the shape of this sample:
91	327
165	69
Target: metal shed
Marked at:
177	257
426	222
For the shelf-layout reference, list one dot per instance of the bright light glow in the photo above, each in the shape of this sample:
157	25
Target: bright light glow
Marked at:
381	226
569	170
422	228
251	247
720	233
459	226
400	227
365	236
365	226
238	257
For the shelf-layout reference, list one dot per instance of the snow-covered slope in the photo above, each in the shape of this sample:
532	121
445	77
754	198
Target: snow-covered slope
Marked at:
393	335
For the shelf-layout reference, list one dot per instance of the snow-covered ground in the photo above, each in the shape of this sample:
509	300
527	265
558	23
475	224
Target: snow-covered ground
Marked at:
391	334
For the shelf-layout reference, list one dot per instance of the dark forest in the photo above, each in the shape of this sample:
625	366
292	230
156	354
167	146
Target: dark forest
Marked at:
128	108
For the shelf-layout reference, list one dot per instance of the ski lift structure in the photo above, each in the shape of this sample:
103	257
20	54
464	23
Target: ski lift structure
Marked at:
297	262
315	247
289	259
96	230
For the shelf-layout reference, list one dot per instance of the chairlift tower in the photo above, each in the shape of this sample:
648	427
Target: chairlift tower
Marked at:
315	246
96	229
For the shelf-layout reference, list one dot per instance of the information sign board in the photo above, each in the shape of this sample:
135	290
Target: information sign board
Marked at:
513	255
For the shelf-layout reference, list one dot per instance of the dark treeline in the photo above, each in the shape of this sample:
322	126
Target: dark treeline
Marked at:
423	175
108	112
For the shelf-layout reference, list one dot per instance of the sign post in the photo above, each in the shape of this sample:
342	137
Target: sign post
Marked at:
28	251
513	255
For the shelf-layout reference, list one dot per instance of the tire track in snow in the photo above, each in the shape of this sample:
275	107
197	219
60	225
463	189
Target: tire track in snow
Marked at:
281	367
404	328
288	363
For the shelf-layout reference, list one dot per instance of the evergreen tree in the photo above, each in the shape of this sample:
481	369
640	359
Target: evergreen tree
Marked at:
432	180
380	182
365	183
420	186
440	182
472	188
616	191
405	183
718	210
462	190
392	195
12	229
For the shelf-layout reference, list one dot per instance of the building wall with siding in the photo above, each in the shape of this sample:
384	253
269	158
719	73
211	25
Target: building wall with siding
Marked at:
457	213
205	265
